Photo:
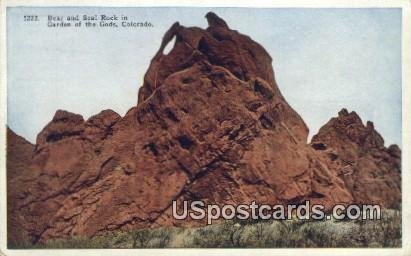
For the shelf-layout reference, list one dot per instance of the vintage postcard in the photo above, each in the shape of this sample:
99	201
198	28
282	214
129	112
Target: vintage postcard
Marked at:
205	128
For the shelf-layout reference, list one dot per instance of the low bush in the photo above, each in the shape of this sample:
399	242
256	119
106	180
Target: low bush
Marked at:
252	234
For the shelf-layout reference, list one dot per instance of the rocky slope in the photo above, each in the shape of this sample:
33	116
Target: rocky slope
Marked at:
19	154
210	124
356	152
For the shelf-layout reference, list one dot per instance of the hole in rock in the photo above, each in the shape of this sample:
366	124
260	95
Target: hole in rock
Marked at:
333	156
185	142
187	80
170	114
319	146
152	147
316	195
169	46
266	122
54	136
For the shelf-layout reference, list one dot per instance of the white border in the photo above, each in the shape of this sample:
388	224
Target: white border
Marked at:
213	3
406	123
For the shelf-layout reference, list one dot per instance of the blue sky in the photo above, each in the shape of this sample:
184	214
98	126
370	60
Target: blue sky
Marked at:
324	60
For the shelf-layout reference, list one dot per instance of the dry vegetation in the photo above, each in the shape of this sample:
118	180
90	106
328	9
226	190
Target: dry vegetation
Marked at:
268	234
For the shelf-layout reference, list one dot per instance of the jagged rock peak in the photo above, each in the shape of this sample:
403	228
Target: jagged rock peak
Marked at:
105	118
343	112
64	124
348	125
217	45
357	154
64	116
222	48
394	151
347	116
215	21
99	126
370	125
70	125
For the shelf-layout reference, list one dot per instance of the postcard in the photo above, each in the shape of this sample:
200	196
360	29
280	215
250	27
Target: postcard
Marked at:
205	128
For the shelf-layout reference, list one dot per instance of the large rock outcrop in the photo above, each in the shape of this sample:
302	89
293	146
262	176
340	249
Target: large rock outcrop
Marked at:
371	172
210	124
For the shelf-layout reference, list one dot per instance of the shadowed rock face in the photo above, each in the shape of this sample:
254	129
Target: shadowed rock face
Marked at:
19	154
211	125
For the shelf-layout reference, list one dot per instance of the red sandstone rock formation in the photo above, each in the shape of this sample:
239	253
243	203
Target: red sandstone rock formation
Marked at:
210	124
371	172
19	154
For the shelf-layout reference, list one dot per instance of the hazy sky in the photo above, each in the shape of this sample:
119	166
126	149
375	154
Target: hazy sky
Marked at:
324	60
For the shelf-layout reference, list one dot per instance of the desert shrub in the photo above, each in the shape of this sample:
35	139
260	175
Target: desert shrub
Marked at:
151	238
224	235
251	234
380	233
160	238
141	238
